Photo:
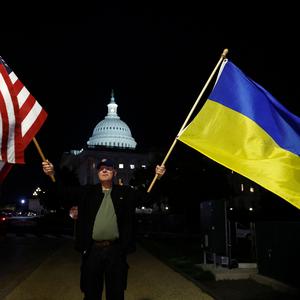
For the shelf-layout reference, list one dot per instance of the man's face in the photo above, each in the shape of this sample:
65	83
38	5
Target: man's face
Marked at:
106	173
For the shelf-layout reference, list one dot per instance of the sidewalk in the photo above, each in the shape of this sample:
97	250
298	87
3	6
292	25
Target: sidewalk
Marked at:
57	278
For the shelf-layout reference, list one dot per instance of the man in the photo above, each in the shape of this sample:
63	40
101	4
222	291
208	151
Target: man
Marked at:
104	229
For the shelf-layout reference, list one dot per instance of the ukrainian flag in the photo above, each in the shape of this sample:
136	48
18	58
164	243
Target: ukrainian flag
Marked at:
243	127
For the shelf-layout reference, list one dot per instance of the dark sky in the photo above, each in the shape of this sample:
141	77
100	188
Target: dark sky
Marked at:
156	64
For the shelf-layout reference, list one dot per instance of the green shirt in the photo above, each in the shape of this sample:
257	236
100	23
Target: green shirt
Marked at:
106	226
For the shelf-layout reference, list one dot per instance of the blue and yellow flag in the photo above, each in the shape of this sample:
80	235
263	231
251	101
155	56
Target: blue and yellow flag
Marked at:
243	127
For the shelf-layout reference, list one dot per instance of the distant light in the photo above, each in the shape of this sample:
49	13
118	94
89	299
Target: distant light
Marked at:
76	152
37	191
167	207
251	189
143	207
230	208
22	201
250	208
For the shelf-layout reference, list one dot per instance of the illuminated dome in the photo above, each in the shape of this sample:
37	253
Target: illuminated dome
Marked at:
112	132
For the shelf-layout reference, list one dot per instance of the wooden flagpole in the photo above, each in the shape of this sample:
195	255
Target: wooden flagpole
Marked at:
223	56
42	155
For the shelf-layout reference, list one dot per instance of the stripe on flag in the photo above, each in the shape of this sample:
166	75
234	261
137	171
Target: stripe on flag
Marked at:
21	117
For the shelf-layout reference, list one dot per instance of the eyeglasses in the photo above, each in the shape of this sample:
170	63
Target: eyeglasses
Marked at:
108	168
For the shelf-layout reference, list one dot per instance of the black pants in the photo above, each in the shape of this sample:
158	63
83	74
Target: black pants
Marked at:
101	265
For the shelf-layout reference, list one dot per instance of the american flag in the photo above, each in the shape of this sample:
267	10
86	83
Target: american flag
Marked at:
21	117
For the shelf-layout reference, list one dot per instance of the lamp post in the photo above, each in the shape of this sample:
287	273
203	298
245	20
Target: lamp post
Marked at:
23	203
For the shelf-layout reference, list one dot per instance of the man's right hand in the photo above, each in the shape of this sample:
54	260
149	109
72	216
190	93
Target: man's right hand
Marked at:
48	168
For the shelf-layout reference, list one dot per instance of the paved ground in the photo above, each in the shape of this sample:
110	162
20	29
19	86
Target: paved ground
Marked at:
57	278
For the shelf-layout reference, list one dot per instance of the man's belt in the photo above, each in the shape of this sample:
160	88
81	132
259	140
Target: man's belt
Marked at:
105	243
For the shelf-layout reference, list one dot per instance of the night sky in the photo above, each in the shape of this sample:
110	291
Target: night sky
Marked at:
156	64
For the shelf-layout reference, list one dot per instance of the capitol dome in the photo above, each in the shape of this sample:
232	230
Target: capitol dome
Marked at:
112	132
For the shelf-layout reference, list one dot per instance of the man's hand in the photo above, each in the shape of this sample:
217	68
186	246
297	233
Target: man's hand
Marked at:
73	213
48	168
160	171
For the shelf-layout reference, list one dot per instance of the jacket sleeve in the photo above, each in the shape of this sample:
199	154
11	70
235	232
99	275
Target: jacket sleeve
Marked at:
128	222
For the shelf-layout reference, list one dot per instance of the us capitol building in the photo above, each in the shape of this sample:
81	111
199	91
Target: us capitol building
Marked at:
111	138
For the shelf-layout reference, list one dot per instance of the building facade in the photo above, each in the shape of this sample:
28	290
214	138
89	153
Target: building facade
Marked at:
111	138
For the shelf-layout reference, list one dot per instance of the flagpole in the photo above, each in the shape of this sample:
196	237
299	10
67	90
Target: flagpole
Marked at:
41	154
223	56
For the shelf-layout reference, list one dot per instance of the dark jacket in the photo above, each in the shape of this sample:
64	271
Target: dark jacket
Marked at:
88	199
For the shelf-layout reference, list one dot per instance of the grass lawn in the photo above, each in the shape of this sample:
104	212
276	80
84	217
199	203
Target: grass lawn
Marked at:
181	253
